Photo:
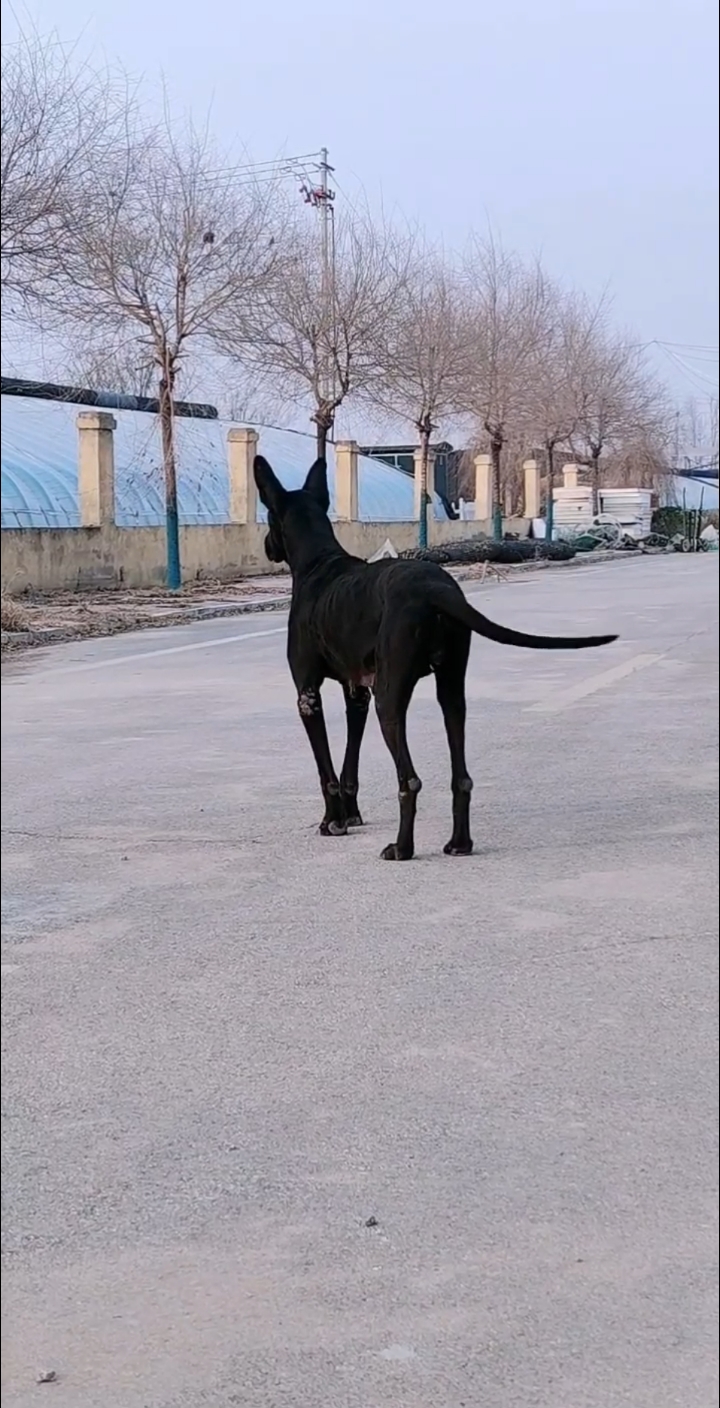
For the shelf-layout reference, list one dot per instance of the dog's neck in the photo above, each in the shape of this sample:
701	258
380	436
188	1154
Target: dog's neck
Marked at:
307	547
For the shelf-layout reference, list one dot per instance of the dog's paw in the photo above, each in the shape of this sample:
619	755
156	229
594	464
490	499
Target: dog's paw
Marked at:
393	852
332	828
454	848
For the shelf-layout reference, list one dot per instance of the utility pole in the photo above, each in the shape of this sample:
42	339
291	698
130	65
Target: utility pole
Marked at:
322	198
325	218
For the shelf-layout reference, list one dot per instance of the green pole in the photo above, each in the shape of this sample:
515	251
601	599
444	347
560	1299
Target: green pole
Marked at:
495	452
172	539
549	516
172	528
423	521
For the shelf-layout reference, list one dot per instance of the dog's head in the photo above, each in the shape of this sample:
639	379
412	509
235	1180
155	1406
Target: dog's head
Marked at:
289	509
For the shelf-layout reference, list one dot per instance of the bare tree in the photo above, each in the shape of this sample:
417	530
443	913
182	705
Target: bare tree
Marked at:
253	400
309	329
122	368
59	118
170	243
697	438
421	353
712	425
508	303
517	446
642	461
617	401
570	329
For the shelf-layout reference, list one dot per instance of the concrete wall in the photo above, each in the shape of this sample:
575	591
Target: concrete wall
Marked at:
102	554
57	559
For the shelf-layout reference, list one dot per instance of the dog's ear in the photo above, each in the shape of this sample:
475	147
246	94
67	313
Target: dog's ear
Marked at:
269	487
317	485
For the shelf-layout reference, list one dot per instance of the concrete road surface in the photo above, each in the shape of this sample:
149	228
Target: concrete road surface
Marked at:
288	1127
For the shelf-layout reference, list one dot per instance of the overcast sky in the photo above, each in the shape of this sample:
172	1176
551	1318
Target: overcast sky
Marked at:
584	129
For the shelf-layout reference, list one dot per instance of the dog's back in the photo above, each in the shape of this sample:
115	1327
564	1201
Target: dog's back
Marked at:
344	605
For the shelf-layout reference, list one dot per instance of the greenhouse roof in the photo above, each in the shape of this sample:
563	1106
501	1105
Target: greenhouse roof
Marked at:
40	469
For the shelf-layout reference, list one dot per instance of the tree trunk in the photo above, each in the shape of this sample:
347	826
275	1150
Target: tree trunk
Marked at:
424	430
550	487
167	435
324	419
321	437
595	480
496	444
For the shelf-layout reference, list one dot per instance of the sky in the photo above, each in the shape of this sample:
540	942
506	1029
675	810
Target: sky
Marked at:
584	130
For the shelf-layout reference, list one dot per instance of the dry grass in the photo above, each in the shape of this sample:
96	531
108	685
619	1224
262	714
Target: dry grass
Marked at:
14	616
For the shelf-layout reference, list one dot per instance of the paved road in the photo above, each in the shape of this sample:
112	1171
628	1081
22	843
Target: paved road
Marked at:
229	1043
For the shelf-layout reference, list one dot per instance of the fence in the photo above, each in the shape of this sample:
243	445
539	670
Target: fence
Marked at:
100	552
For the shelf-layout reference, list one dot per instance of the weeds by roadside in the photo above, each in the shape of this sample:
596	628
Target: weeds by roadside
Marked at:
14	615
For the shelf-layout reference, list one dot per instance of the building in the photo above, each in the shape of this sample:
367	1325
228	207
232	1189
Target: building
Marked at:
402	457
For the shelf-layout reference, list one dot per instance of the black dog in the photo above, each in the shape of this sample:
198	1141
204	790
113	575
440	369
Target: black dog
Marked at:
376	626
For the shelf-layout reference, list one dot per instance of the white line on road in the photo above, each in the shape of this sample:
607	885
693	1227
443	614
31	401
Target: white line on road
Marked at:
164	650
567	697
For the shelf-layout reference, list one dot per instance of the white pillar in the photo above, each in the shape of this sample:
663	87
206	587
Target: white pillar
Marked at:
96	468
531	484
242	444
483	488
570	476
346	481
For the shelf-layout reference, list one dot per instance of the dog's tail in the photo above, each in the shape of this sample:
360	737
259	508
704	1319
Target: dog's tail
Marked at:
450	601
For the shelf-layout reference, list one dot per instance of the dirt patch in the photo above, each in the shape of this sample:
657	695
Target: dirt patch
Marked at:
41	618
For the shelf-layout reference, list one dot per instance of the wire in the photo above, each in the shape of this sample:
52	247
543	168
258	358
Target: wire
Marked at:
346	197
259	165
689	348
696	346
255	174
694	377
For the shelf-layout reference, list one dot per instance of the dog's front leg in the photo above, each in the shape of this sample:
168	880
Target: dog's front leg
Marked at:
357	704
311	712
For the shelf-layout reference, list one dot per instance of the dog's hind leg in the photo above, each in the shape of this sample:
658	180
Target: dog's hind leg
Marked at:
310	710
357	703
450	686
392	700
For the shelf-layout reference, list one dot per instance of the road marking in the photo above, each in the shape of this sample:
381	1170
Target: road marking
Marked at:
567	697
163	650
